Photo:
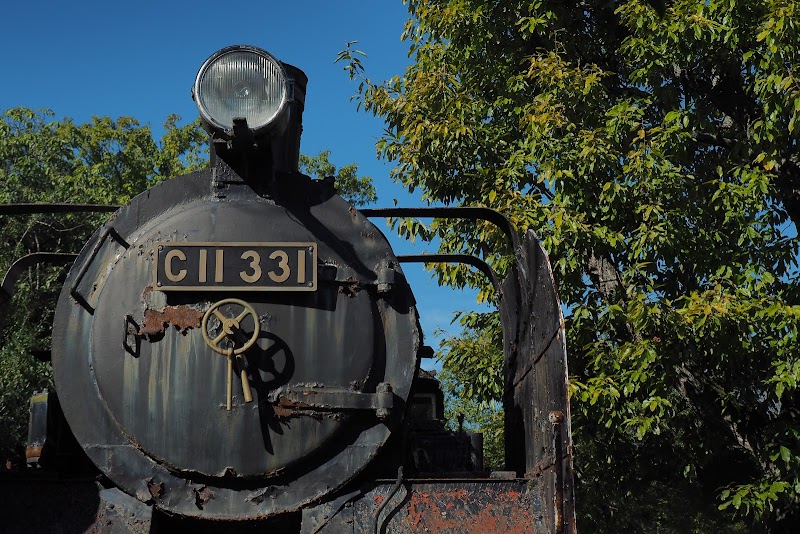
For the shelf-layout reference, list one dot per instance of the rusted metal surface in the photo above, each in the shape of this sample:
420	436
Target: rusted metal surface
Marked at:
327	399
37	427
350	287
202	496
468	510
417	506
33	452
181	317
556	419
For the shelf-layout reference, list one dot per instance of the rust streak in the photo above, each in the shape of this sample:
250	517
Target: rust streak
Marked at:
33	451
181	317
156	489
202	496
350	287
288	408
286	402
432	512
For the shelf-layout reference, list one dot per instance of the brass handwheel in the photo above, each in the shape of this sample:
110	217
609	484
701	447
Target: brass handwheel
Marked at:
230	328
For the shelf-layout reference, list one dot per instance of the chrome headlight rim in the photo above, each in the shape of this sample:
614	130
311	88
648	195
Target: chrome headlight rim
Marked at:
274	125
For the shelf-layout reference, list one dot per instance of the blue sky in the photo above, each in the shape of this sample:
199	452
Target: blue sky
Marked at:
88	58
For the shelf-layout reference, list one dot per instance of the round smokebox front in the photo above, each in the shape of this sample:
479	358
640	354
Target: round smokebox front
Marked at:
234	357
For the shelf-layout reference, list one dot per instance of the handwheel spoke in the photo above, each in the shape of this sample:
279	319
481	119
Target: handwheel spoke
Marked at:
241	316
219	338
220	316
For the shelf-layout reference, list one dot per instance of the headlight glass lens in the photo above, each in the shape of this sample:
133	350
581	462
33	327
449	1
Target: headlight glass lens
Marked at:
241	83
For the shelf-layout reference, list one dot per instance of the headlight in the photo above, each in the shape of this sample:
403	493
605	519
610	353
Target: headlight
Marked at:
243	82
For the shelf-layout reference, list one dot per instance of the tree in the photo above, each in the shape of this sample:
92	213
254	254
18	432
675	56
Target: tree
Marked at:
653	147
355	189
44	160
475	398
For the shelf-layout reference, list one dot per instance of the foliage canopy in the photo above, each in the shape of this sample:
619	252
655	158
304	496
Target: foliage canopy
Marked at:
653	147
356	189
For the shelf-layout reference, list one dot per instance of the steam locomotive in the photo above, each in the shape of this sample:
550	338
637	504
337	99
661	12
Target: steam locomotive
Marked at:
239	349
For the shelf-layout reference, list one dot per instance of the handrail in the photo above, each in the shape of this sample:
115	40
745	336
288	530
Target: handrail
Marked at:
478	263
18	267
54	207
468	212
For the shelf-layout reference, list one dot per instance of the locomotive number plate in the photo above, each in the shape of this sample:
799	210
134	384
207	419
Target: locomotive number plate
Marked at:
235	267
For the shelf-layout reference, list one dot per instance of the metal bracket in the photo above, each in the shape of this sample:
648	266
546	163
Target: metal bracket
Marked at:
333	399
84	268
19	267
386	277
466	213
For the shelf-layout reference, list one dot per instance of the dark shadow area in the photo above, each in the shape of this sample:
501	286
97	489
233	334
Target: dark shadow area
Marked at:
162	523
269	369
130	332
46	502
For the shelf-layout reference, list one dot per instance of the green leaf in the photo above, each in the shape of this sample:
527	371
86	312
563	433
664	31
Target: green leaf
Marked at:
785	454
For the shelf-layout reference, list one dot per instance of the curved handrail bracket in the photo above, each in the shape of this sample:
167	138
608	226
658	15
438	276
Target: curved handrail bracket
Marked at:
56	207
20	266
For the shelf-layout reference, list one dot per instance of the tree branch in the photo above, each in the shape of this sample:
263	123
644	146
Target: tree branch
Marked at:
605	276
